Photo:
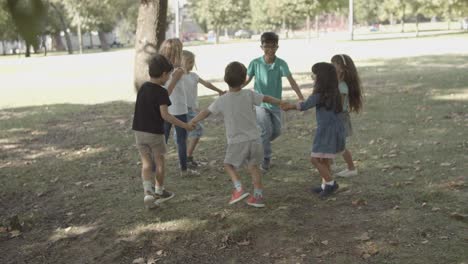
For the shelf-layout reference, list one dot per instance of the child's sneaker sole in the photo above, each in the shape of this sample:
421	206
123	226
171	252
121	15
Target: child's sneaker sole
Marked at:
256	205
243	196
163	199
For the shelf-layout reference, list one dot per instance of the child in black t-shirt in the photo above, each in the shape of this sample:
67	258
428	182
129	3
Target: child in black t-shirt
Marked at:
148	123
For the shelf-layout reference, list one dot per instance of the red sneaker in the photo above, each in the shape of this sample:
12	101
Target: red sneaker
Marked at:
237	196
256	201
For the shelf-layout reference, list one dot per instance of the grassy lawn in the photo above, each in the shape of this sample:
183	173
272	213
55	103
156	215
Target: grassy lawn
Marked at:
70	176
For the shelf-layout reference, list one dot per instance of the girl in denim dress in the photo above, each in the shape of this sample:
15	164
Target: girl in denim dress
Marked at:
330	135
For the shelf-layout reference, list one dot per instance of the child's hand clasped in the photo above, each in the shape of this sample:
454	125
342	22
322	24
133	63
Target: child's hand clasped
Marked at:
286	106
191	126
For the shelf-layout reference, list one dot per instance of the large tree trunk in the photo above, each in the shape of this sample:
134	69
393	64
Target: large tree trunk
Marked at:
151	31
103	40
28	49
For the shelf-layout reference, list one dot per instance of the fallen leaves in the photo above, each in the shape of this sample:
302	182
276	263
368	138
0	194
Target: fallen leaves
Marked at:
368	249
363	237
359	202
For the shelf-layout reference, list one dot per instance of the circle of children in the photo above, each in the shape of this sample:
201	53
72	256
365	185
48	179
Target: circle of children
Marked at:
252	118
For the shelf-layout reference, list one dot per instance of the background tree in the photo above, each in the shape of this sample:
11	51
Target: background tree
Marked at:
7	27
221	14
150	32
28	17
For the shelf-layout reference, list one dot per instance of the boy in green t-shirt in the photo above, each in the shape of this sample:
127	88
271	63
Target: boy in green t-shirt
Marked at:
268	71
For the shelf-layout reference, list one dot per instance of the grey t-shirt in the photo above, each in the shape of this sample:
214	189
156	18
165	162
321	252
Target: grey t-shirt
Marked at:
238	109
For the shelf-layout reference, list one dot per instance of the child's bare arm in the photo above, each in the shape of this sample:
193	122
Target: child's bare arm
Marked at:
173	120
271	100
210	86
295	87
176	75
202	115
286	106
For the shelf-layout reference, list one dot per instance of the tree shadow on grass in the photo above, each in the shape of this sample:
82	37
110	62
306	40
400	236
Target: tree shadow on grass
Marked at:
71	174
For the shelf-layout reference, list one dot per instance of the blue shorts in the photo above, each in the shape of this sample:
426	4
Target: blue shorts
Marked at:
198	131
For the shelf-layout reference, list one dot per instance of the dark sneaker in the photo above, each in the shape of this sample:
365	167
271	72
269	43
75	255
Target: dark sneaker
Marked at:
317	189
191	163
329	189
265	165
166	195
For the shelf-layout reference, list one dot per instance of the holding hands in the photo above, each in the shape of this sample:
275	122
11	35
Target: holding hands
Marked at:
191	125
286	106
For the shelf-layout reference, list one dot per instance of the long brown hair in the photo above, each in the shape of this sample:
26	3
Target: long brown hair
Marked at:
326	84
351	77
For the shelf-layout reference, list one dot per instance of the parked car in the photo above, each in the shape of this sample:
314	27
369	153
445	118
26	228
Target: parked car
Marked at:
243	33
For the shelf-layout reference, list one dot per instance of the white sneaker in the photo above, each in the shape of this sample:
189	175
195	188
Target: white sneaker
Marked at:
347	173
149	201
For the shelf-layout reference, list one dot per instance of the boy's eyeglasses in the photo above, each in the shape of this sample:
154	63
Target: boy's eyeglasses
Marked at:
269	46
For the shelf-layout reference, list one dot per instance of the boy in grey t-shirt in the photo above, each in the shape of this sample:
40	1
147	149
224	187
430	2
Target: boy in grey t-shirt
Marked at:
243	137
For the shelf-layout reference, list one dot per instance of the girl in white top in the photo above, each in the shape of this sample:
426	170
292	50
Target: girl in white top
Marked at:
190	81
172	50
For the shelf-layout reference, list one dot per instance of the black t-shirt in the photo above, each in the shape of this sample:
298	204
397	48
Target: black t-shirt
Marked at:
147	117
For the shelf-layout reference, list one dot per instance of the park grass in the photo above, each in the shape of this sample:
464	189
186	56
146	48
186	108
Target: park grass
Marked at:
70	173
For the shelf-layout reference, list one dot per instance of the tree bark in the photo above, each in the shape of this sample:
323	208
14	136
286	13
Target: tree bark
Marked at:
28	49
151	31
103	40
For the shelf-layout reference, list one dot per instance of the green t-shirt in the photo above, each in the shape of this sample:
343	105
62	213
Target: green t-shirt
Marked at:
344	91
268	77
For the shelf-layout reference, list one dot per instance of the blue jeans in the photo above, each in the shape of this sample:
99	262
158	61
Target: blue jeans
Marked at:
181	140
269	121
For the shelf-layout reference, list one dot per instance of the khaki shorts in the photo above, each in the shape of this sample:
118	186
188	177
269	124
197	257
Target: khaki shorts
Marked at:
248	153
150	144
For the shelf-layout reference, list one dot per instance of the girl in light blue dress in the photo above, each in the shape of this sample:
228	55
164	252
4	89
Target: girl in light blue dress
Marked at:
330	135
351	95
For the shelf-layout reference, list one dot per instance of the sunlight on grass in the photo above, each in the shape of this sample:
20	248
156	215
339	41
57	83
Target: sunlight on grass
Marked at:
184	224
71	231
86	151
461	96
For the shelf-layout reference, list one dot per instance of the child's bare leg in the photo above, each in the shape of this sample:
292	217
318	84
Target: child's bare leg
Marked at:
231	171
146	171
192	144
238	193
160	169
322	167
256	176
327	163
348	159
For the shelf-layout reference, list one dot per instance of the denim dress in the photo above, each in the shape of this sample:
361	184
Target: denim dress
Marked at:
330	137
